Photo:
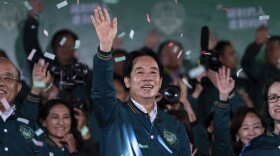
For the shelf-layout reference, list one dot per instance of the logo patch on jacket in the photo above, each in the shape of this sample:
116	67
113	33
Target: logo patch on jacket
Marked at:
26	132
170	137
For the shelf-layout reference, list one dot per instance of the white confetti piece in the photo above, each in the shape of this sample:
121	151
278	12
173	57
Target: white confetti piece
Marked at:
77	44
182	35
238	72
23	120
176	1
148	18
84	131
264	17
121	35
37	143
61	4
188	52
33	27
49	55
78	1
51	154
5	103
119	59
197	71
27	5
175	48
30	56
39	132
39	84
187	83
179	54
131	34
46	32
62	41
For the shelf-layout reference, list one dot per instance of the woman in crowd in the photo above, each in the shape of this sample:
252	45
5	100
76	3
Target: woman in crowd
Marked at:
268	143
246	123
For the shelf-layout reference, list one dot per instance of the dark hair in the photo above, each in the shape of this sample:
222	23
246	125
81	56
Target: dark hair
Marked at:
221	45
236	122
59	34
183	117
120	79
119	52
45	111
128	63
163	44
3	54
273	42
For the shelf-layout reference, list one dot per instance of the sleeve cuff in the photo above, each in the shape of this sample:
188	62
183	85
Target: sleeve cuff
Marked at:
33	98
104	55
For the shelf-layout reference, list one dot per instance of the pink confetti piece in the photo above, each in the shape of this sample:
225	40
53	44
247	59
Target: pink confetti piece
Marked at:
5	103
76	54
37	143
30	56
148	18
42	62
170	44
46	32
226	9
179	54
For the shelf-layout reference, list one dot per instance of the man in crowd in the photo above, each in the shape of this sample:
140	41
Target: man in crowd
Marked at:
136	127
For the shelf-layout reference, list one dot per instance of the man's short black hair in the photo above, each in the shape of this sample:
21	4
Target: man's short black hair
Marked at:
221	46
128	63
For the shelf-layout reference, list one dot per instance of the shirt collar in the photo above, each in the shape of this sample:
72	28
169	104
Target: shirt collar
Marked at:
8	113
152	114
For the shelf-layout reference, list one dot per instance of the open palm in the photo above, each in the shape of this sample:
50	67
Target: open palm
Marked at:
225	83
40	72
106	31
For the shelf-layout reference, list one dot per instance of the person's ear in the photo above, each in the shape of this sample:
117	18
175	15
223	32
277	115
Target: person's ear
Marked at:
43	123
19	87
126	82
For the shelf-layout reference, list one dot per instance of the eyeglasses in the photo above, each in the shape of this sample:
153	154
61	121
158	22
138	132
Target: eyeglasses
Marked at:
8	78
273	98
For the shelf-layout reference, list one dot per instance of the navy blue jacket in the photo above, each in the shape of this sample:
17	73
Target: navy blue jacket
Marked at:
125	129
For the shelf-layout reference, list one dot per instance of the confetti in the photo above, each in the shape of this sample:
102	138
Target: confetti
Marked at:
37	143
33	27
51	154
5	103
76	54
226	9
39	131
121	35
182	35
187	83
78	1
30	56
238	72
264	17
62	41
148	18
188	52
42	62
84	131
27	5
77	44
49	55
61	4
176	1
131	34
46	32
119	59
23	120
39	84
179	54
5	2
175	48
195	72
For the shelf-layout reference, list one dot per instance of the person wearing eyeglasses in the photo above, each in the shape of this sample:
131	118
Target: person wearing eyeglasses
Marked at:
17	133
269	142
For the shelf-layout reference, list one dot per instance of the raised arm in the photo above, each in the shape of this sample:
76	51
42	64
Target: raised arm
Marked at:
222	142
103	91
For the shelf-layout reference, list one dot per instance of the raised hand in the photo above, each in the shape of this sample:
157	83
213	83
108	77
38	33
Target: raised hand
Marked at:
105	29
70	143
225	83
37	7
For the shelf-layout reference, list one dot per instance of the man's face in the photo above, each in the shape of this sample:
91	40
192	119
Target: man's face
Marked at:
9	81
272	53
229	58
145	80
169	58
273	102
65	53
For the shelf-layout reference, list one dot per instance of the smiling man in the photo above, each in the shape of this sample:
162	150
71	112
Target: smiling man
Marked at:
136	127
16	132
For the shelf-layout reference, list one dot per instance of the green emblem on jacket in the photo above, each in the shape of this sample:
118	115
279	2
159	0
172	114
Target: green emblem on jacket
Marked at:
26	132
170	137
